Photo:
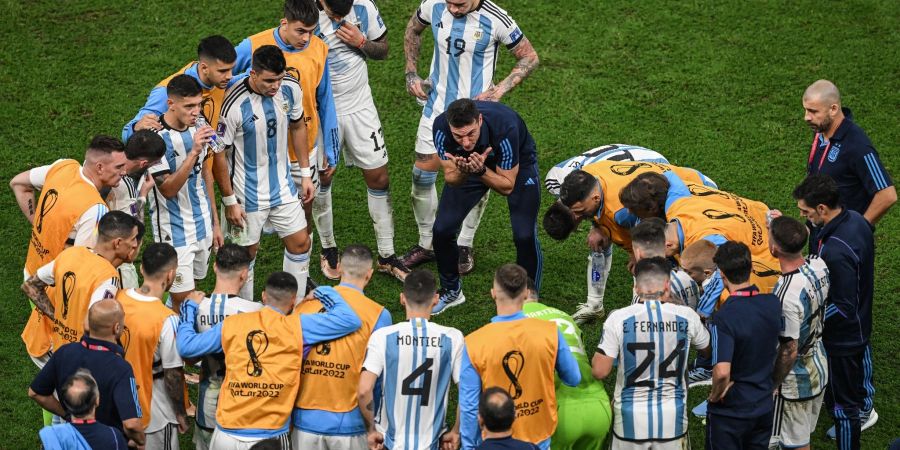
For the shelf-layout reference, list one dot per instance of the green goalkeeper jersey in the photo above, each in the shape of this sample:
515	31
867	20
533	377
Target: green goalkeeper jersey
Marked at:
589	387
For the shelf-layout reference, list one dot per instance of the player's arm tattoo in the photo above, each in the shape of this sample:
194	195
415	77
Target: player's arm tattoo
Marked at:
174	381
36	291
31	207
377	49
787	355
412	42
527	61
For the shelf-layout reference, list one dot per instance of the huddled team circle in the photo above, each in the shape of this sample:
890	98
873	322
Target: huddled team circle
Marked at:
778	311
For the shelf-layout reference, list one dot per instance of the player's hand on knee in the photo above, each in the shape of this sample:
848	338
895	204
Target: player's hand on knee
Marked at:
375	440
148	122
235	215
326	174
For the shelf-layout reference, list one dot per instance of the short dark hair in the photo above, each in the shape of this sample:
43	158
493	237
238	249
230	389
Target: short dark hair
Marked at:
106	144
157	257
497	409
576	187
183	86
145	144
303	10
818	190
789	234
217	48
281	285
654	266
559	222
233	258
649	233
268	58
339	7
419	287
734	261
462	112
512	279
117	224
646	192
267	444
82	402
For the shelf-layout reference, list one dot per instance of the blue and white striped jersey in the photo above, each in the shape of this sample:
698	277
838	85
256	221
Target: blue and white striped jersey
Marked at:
186	218
651	341
465	50
611	152
802	294
415	361
212	310
349	73
255	127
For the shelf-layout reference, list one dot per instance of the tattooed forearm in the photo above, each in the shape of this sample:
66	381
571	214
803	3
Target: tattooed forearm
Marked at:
527	61
787	355
31	206
36	291
412	42
174	381
376	49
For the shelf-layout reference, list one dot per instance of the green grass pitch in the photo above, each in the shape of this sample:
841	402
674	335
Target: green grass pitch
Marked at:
712	85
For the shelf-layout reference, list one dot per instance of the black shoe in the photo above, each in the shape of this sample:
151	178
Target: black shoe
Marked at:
393	266
311	285
328	260
466	260
417	256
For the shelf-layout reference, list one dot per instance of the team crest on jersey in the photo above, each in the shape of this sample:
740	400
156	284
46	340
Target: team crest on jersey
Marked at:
285	106
833	153
478	35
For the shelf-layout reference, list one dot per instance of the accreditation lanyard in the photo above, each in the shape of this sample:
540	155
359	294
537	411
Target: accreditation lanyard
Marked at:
812	153
98	348
83	421
747	293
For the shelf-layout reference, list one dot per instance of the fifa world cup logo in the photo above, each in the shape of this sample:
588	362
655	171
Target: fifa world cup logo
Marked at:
513	363
208	108
68	288
47	204
257	343
323	348
703	191
721	215
627	169
125	339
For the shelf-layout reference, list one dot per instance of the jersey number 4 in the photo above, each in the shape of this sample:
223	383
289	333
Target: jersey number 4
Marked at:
422	390
664	370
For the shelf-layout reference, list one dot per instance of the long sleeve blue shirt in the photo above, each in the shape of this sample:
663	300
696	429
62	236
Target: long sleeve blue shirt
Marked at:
470	386
337	321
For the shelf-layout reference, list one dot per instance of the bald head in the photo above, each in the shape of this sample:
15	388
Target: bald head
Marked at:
823	91
697	260
104	316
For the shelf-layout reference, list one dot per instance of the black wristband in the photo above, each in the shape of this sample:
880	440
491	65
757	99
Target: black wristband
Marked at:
480	172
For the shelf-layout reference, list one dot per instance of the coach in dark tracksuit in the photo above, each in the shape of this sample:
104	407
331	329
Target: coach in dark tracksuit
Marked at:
484	145
844	241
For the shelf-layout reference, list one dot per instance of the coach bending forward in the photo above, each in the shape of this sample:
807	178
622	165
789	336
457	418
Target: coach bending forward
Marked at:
484	145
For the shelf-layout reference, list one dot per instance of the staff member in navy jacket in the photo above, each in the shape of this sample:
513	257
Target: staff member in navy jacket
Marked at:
845	242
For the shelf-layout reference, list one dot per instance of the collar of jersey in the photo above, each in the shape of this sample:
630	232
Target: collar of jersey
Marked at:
509	317
277	310
680	235
351	286
133	293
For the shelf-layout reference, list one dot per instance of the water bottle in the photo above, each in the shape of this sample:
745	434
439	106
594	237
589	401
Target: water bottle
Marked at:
427	86
215	144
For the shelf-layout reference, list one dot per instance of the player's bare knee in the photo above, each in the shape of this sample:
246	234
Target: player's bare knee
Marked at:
297	243
253	249
377	178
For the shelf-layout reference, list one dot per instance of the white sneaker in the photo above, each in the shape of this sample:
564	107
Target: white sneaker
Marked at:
587	313
868	420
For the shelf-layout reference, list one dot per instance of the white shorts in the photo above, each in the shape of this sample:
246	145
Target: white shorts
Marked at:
304	440
795	421
129	276
165	438
362	139
682	443
207	407
424	138
224	441
193	263
286	219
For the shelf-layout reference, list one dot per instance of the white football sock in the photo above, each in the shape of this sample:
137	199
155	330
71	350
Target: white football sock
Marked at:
424	200
298	266
470	225
246	291
323	217
383	218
